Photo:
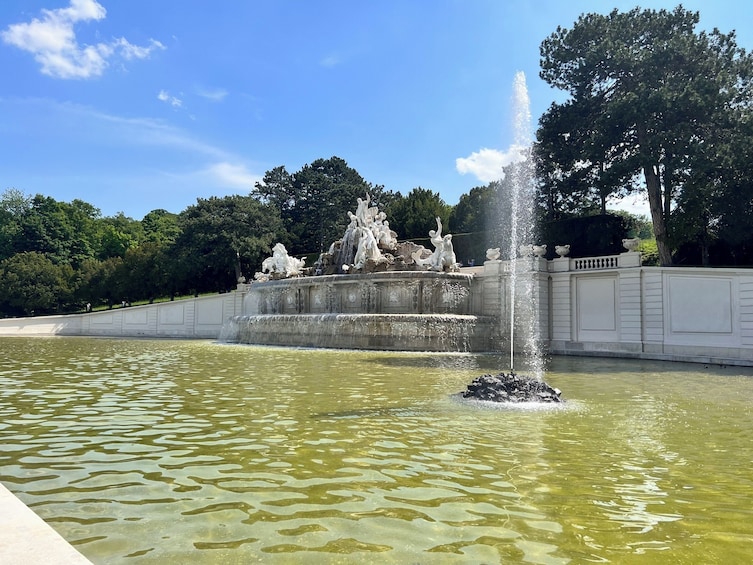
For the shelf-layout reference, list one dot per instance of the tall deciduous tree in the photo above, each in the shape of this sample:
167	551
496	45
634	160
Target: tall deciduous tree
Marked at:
655	94
31	283
14	204
313	202
470	223
222	238
160	227
415	214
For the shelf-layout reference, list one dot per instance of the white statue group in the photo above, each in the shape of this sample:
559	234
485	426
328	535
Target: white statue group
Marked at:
443	258
370	234
280	265
371	230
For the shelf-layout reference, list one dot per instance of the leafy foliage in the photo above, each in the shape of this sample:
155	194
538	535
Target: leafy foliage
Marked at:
313	201
414	215
471	220
651	104
588	236
31	283
221	239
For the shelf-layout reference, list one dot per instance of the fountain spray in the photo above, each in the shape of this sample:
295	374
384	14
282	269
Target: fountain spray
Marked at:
523	298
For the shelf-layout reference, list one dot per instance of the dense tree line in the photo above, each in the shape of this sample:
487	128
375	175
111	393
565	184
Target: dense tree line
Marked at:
653	106
60	257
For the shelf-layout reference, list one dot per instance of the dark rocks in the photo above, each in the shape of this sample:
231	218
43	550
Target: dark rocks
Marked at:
511	388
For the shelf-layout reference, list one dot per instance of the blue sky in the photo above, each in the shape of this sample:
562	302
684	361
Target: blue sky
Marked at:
144	104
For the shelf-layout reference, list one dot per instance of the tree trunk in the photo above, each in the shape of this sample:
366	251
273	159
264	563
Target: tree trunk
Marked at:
238	272
653	185
704	254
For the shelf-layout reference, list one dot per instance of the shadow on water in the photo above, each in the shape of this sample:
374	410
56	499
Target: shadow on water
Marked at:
378	412
565	363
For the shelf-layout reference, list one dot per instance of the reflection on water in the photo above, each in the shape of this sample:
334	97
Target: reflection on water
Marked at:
142	451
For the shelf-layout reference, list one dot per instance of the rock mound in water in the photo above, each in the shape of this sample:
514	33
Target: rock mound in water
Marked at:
509	387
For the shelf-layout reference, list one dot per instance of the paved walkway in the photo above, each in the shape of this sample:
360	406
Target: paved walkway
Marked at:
26	539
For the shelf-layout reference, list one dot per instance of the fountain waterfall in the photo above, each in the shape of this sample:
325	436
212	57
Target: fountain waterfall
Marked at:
372	292
368	292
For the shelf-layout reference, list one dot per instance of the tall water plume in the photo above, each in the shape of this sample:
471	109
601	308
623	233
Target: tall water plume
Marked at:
516	219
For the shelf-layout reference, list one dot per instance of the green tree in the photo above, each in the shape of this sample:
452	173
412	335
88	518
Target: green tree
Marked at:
106	284
636	225
471	213
66	232
221	239
31	283
414	215
313	202
573	161
14	204
118	234
161	227
470	220
661	92
143	273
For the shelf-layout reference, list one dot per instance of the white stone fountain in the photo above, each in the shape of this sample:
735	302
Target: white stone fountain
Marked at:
367	292
370	291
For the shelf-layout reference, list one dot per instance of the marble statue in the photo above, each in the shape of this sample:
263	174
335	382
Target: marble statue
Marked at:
368	248
280	265
443	258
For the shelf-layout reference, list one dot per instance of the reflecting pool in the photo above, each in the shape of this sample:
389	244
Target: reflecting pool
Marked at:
146	451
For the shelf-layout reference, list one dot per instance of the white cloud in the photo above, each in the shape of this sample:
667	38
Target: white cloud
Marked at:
634	203
330	61
216	95
486	165
130	51
234	175
166	97
52	40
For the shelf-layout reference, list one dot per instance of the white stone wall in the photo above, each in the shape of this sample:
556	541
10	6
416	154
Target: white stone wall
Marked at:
585	308
201	317
613	306
687	314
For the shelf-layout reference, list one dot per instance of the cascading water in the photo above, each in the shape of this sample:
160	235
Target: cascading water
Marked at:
518	197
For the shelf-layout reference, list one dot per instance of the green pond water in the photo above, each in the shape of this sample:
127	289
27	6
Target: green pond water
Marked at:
146	451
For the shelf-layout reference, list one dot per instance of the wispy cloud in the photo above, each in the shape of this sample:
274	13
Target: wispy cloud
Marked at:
330	61
152	161
486	165
215	94
130	51
52	40
166	97
233	175
223	169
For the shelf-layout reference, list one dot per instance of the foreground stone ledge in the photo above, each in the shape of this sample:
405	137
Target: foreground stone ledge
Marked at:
26	539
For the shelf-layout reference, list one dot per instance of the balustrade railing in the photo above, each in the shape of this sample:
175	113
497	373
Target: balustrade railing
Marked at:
594	263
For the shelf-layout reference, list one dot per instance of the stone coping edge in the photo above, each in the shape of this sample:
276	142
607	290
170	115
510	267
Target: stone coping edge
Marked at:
26	539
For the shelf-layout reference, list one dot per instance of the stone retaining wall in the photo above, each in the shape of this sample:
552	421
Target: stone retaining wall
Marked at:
614	307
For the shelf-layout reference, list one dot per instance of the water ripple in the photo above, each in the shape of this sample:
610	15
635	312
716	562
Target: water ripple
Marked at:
187	452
